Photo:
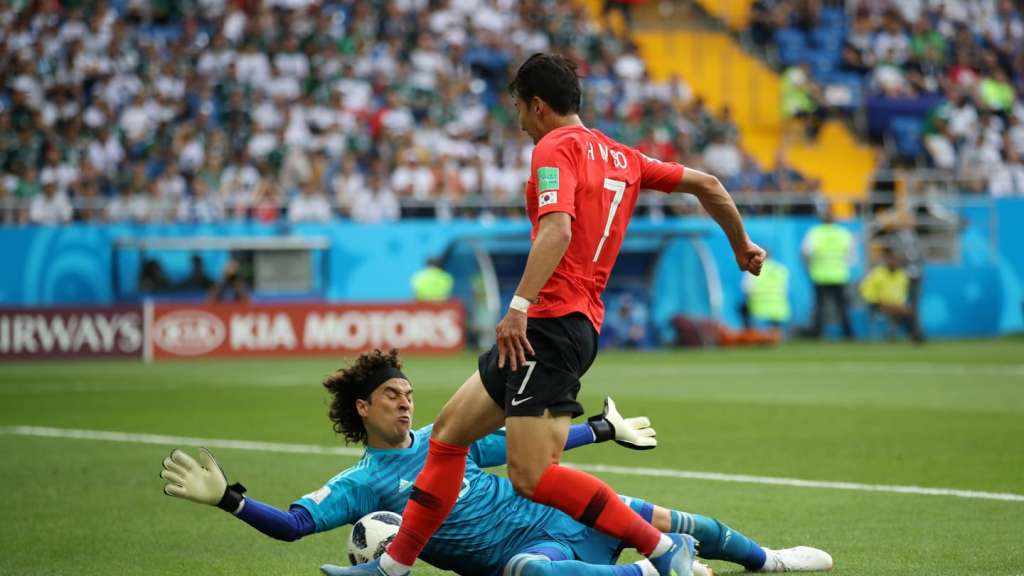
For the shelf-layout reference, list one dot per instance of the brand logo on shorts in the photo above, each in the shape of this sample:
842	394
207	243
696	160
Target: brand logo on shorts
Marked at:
530	365
518	401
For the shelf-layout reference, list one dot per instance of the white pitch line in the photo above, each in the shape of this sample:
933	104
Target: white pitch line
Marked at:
717	477
164	440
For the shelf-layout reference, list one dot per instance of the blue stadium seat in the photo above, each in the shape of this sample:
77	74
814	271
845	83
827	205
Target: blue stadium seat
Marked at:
832	18
161	34
822	63
789	39
830	39
906	134
796	55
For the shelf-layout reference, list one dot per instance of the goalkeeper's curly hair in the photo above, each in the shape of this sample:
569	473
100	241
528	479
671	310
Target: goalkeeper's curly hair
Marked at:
348	385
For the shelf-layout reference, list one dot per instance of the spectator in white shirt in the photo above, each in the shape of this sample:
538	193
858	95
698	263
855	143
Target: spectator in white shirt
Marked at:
239	180
171	184
1007	179
155	207
63	174
290	61
201	207
939	146
234	24
105	153
347	184
412	179
137	120
51	207
309	206
252	67
723	158
377	203
892	43
213	62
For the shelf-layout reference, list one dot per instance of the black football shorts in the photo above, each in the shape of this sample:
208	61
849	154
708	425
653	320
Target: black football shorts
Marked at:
564	348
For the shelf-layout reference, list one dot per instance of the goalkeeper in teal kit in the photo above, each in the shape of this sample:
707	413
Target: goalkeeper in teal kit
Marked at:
491	530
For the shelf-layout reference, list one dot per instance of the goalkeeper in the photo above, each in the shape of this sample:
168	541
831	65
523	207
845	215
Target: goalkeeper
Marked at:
491	529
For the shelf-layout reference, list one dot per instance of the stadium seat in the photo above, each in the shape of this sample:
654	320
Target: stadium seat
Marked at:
822	62
831	17
790	40
830	39
906	133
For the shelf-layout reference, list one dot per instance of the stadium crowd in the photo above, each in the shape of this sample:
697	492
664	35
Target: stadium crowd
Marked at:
295	110
941	80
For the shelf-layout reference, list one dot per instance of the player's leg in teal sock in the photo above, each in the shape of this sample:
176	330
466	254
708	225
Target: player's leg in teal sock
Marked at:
717	541
528	564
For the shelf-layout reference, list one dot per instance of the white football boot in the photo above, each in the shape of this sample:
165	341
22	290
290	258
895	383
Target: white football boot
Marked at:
698	568
702	569
798	559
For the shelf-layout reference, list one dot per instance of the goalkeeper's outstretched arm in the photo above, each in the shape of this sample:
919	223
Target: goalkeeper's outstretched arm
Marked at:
204	482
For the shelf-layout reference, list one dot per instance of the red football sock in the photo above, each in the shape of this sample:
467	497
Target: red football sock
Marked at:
594	503
433	496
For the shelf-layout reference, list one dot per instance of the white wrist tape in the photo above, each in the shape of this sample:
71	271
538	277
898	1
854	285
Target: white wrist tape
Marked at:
519	303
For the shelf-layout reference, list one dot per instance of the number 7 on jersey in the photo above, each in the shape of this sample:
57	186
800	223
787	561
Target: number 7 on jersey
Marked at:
618	187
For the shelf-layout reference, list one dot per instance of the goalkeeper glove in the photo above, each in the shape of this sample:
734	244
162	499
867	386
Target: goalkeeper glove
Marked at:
634	433
203	482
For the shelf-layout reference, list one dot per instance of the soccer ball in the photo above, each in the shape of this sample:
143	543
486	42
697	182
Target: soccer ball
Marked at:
371	535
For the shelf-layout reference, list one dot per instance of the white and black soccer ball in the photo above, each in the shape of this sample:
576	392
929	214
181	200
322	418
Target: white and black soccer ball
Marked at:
371	535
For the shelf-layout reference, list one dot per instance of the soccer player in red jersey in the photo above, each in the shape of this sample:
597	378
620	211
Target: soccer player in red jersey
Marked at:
582	190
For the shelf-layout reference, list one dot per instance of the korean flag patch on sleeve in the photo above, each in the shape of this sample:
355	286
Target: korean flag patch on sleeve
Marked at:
547	185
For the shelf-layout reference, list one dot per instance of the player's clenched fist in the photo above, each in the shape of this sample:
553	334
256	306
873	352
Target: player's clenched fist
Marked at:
751	257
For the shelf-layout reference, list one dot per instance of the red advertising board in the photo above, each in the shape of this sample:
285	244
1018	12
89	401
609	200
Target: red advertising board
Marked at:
225	330
71	332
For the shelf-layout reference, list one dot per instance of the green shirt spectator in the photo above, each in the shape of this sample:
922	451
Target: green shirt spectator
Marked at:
796	92
926	44
28	186
996	92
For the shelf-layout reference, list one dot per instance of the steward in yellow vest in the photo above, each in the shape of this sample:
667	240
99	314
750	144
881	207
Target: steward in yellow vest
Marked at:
828	251
768	294
432	284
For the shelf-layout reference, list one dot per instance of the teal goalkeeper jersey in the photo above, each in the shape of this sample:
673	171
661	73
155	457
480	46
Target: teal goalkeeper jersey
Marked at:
488	525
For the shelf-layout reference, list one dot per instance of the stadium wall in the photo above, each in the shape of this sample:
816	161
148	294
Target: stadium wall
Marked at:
978	296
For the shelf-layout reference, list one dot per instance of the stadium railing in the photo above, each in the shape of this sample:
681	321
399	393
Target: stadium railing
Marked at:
890	188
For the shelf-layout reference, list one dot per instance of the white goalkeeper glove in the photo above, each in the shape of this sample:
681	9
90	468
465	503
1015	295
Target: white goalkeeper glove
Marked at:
634	433
203	482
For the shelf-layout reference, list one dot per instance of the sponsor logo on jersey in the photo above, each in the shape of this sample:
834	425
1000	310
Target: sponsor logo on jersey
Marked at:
320	495
547	179
546	198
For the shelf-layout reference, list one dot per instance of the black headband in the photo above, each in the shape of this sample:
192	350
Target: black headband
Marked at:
378	377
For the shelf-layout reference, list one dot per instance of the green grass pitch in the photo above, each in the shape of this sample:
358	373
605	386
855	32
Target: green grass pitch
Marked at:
947	415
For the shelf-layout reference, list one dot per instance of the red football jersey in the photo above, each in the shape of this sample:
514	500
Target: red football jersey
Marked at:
597	181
